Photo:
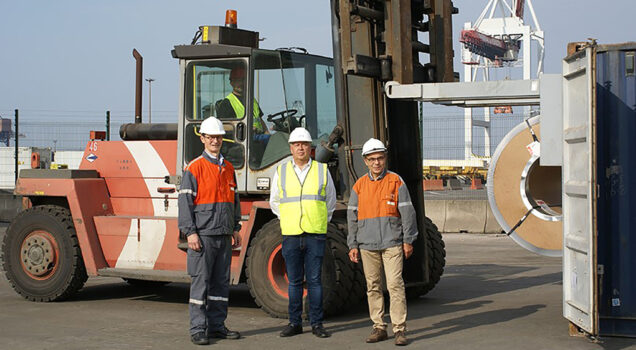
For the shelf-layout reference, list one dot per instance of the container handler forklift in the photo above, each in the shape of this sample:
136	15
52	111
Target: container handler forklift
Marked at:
117	215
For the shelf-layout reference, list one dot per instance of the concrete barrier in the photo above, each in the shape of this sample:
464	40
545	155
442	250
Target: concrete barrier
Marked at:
436	211
475	184
472	216
453	184
465	216
433	185
492	226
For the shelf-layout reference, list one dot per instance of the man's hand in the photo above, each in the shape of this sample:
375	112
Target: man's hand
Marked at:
408	250
194	243
354	255
236	239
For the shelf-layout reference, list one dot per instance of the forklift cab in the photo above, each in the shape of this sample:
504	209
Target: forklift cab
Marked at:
260	96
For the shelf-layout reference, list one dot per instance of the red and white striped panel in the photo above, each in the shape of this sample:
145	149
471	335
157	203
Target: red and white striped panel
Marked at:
140	243
134	171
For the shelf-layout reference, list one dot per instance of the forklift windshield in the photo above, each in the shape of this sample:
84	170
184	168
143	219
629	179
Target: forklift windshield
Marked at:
292	90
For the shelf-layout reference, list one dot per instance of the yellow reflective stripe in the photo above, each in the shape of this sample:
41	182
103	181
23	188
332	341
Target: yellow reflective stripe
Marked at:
305	197
194	95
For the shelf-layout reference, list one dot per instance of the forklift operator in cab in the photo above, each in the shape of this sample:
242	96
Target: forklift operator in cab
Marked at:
233	105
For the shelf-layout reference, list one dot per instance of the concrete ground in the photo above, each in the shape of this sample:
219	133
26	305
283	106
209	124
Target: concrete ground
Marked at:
493	295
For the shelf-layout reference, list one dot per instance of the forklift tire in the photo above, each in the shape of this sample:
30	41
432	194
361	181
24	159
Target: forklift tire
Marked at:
41	255
267	280
436	257
343	282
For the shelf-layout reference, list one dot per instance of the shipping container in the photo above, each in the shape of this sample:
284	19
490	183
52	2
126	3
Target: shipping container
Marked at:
71	159
7	165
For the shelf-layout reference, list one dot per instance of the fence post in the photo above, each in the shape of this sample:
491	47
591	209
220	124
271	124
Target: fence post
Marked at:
17	136
107	125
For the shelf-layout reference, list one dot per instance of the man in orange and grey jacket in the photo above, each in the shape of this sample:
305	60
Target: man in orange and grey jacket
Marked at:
382	229
209	215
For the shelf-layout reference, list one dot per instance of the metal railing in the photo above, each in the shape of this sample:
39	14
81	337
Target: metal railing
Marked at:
443	139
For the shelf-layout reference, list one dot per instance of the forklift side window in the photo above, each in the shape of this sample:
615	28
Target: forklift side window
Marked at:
325	101
215	88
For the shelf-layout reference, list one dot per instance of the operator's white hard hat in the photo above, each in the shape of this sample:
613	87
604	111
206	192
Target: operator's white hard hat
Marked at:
300	135
371	146
212	126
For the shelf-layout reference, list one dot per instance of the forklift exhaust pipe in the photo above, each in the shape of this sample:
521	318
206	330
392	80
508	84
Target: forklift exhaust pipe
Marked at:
139	130
138	81
147	131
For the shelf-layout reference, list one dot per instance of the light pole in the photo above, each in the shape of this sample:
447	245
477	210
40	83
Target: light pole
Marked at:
149	80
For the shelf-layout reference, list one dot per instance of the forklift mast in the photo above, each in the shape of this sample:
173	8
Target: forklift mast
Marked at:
375	42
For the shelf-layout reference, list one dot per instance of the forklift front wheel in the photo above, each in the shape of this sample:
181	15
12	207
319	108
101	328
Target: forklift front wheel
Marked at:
41	254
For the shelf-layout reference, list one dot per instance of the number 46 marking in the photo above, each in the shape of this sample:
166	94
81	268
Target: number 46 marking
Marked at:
93	146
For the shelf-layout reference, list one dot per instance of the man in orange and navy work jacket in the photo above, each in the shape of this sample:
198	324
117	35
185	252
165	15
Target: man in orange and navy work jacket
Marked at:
209	215
382	229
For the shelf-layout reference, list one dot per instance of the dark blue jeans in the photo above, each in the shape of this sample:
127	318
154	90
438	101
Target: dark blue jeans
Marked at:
303	256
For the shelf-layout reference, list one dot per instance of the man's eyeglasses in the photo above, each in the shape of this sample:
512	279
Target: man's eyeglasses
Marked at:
376	159
212	137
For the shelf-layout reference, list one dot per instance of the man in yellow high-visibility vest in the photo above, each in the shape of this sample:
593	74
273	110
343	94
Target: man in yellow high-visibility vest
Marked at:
233	105
303	197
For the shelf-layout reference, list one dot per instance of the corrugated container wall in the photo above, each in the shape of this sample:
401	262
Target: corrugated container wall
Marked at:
616	151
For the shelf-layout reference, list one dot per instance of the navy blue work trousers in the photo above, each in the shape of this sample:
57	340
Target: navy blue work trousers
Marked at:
209	291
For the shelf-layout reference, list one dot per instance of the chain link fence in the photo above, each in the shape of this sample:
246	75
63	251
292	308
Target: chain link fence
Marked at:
448	153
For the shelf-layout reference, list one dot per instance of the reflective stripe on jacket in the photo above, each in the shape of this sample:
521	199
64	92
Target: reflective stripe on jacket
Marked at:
380	214
208	201
303	207
239	110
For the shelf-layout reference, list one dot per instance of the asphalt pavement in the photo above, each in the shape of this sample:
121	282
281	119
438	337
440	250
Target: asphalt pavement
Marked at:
493	295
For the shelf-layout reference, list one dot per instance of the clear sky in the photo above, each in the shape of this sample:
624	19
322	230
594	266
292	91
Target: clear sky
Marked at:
71	59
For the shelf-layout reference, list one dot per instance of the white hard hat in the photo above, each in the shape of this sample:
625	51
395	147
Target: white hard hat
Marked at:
212	126
300	135
372	146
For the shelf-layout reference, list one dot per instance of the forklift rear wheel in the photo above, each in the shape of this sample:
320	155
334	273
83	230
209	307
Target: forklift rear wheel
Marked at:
41	254
343	283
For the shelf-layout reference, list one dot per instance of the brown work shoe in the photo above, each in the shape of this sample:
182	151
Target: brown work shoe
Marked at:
400	338
377	335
